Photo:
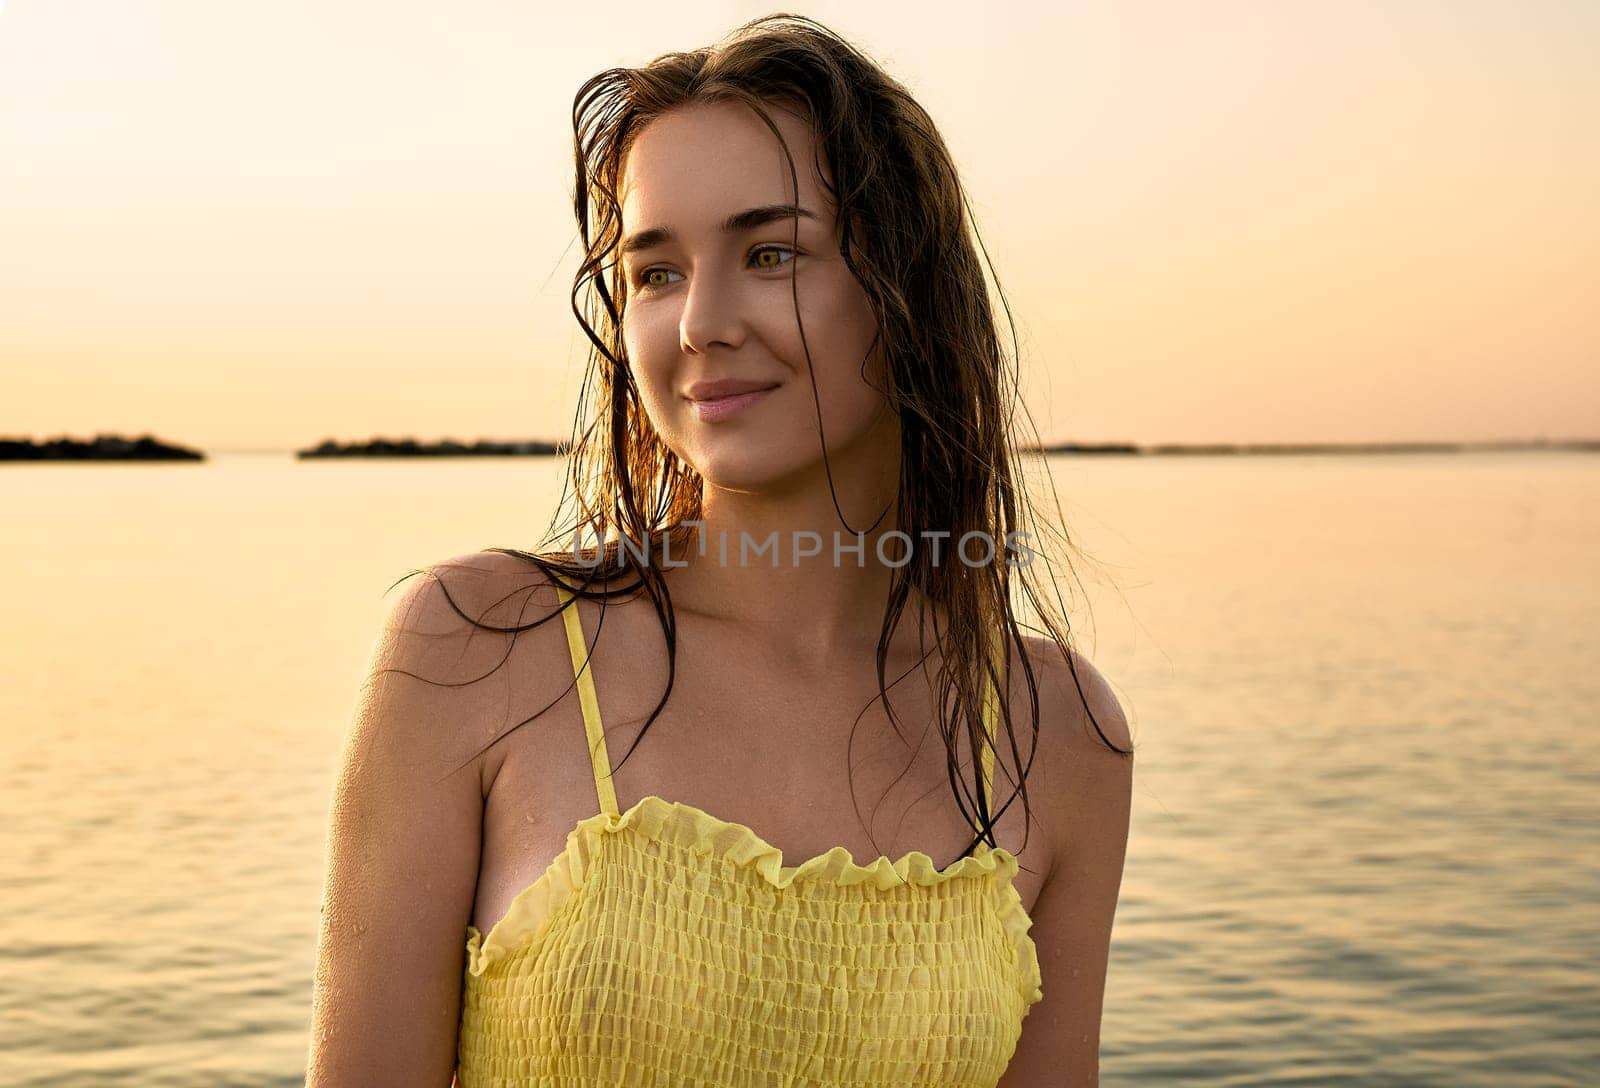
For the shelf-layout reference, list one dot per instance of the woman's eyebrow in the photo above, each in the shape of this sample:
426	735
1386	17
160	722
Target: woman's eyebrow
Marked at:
748	219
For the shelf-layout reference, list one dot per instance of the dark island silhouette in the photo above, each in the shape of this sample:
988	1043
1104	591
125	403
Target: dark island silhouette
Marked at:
449	447
103	447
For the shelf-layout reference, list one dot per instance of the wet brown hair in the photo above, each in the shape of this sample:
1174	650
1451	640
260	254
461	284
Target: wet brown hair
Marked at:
904	224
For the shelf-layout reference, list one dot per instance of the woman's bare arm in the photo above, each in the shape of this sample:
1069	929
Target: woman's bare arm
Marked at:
1084	799
402	861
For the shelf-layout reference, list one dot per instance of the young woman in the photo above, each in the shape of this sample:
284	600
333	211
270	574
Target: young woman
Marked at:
621	839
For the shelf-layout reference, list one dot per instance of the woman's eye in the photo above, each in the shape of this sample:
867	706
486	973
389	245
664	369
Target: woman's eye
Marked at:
777	251
758	257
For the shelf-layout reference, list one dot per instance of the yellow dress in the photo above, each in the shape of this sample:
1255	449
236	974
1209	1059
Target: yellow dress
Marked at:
667	947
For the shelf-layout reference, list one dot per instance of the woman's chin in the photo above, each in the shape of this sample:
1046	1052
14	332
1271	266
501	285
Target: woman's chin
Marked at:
747	470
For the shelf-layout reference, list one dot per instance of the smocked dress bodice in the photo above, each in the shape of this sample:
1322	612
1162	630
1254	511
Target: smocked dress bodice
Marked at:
665	946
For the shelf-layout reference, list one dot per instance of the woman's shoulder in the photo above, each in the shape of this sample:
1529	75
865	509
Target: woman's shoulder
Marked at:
459	638
1073	690
480	577
430	610
489	586
1079	767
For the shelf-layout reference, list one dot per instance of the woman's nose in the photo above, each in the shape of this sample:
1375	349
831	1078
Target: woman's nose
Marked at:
711	315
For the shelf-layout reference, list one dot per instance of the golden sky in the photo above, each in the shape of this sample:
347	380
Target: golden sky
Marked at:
260	224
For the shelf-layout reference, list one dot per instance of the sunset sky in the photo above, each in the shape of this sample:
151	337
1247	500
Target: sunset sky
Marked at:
238	224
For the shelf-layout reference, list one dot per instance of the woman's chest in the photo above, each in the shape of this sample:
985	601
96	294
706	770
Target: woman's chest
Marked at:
805	766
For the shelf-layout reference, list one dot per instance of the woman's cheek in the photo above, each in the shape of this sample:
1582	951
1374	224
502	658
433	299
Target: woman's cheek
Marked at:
641	342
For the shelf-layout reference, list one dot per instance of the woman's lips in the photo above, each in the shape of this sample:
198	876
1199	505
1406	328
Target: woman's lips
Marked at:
718	408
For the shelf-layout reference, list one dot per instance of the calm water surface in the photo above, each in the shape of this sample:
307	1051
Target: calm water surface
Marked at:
1365	691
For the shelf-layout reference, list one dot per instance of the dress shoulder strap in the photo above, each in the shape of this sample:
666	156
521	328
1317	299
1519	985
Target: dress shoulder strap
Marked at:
599	761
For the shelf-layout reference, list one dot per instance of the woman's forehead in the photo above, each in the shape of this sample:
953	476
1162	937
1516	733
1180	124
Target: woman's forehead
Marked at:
717	158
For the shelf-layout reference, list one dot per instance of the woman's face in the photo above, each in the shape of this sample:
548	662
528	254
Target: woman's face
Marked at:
706	303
